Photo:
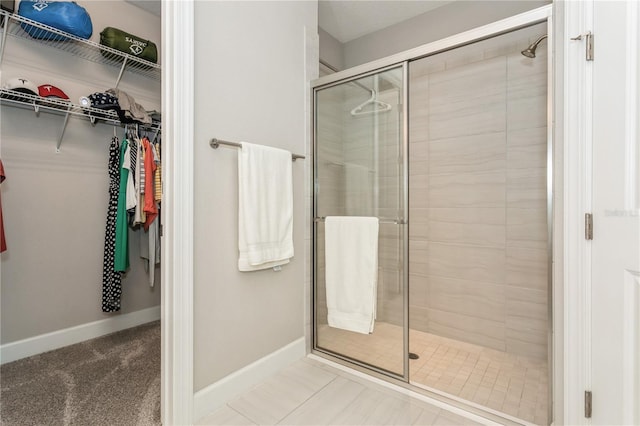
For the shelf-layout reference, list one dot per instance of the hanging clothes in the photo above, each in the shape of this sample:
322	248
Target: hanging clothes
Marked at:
135	192
150	243
121	262
131	163
111	279
131	199
150	208
3	242
138	214
150	250
158	175
142	182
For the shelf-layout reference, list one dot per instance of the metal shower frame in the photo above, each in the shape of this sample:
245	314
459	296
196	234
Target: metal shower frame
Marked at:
402	60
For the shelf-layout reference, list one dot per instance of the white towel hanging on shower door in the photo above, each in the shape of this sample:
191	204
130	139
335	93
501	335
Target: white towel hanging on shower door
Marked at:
351	256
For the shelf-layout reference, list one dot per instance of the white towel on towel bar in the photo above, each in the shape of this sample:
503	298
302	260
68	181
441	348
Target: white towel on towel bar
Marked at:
265	211
351	256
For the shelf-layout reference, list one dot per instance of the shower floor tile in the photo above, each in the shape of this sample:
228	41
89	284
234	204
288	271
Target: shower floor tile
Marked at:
508	383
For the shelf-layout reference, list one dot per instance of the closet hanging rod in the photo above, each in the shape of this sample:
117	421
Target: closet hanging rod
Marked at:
380	219
215	143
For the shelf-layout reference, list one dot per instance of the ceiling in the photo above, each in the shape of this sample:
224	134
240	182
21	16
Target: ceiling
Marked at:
153	6
347	20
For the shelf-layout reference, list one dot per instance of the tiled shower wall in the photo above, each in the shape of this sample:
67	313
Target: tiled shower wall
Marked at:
478	202
374	145
330	179
359	175
478	228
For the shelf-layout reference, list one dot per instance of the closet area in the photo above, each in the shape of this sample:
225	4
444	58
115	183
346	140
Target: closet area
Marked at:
81	148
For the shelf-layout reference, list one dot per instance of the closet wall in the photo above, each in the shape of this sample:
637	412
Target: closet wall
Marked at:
55	204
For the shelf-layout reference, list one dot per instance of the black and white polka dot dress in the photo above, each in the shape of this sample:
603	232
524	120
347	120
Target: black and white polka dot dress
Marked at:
111	284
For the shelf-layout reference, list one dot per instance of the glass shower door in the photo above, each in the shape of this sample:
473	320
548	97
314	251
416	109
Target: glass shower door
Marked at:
358	171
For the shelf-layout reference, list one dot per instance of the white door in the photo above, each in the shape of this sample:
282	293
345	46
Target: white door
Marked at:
615	294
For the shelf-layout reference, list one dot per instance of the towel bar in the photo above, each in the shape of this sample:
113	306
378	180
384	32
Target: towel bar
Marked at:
215	143
380	219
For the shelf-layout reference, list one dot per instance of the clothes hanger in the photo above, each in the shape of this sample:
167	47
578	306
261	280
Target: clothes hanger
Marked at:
155	136
379	106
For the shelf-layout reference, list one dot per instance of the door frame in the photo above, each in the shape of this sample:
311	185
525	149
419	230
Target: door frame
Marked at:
177	212
575	81
578	108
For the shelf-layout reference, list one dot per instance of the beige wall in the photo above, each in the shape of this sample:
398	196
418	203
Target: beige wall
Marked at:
330	50
55	205
251	79
478	231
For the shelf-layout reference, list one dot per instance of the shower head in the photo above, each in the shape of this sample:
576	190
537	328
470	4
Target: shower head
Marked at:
530	52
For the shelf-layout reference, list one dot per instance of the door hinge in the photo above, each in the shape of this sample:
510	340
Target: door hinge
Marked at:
587	404
588	226
588	38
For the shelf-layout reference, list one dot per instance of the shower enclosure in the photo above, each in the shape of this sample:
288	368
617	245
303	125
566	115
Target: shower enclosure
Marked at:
448	146
359	172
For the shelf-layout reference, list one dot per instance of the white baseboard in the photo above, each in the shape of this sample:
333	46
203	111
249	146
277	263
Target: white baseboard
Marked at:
217	394
68	336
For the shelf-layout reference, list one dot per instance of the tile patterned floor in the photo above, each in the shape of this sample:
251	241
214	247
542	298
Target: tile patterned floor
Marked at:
515	385
310	392
382	348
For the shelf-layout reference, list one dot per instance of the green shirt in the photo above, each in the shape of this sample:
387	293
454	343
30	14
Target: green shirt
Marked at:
121	261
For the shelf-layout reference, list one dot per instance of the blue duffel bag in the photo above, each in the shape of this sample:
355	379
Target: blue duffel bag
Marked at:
62	15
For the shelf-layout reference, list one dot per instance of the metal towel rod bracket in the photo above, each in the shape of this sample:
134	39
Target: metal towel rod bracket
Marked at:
215	144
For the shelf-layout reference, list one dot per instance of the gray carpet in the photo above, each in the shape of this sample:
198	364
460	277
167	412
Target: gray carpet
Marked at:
110	380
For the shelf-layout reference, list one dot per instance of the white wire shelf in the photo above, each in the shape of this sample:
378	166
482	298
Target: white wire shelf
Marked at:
56	105
66	109
85	49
